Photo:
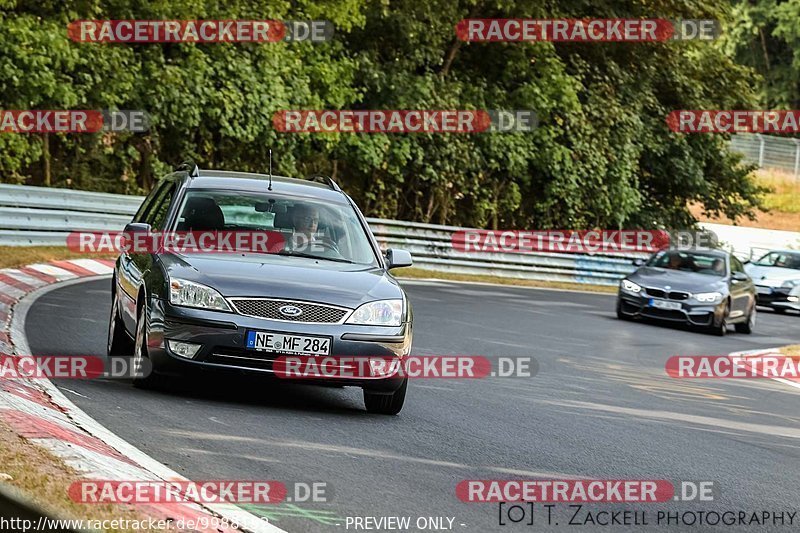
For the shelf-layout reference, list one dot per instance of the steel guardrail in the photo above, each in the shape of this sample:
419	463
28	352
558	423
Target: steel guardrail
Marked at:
31	216
68	199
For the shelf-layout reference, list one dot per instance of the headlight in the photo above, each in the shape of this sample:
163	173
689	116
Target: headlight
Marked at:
630	286
191	294
378	313
708	297
791	284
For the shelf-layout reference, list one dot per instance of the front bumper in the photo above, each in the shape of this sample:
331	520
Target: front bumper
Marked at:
222	336
776	297
691	312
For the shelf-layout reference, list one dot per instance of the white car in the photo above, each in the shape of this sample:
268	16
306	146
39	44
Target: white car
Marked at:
777	279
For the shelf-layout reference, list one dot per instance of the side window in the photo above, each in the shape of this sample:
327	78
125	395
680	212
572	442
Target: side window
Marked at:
781	260
140	213
157	215
736	265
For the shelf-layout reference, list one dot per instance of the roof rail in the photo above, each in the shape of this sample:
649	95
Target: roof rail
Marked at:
190	167
327	180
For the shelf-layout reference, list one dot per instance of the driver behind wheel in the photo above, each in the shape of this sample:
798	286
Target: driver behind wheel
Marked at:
305	222
675	261
305	219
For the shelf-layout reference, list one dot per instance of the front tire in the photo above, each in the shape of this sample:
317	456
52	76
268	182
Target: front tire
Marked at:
141	378
749	326
386	404
721	328
620	314
119	343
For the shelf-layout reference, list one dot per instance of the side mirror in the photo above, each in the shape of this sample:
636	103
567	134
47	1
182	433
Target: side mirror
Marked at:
137	227
397	258
638	262
130	229
739	276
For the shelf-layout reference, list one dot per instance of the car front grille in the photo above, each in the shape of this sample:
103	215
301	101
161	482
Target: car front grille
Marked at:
671	295
678	295
268	308
667	314
657	293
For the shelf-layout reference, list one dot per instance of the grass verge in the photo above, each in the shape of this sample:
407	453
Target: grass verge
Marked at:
17	256
785	194
44	479
782	202
416	273
793	351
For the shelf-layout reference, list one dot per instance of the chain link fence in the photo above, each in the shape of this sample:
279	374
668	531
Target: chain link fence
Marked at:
769	151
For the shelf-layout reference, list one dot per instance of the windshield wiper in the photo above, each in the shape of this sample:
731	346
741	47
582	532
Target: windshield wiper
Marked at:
312	256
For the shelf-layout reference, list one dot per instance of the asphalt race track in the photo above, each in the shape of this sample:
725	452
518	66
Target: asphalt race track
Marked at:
601	406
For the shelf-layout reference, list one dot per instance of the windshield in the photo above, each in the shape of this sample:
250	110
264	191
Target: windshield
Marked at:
701	263
780	259
306	228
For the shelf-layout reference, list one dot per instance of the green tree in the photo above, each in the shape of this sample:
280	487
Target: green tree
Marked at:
601	155
765	35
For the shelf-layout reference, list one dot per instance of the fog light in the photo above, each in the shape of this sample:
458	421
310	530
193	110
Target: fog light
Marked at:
793	298
184	349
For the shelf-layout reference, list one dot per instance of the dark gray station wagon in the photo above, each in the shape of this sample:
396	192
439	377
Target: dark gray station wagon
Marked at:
223	312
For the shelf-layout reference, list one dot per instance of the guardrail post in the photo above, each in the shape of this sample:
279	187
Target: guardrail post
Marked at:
760	150
796	157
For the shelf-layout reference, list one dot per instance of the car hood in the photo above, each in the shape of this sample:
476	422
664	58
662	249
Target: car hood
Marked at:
677	280
293	278
771	276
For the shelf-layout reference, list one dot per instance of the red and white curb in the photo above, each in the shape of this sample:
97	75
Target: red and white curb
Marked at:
757	354
38	411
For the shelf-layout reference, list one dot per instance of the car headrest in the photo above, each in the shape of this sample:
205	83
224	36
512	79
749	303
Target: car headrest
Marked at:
203	214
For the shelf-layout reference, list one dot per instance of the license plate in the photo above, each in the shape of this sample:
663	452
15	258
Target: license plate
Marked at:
663	304
288	344
764	290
